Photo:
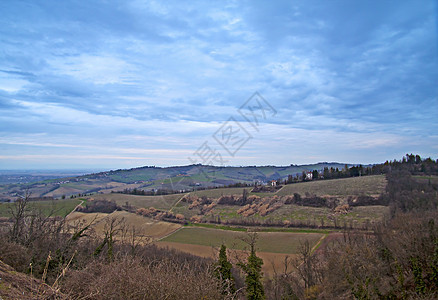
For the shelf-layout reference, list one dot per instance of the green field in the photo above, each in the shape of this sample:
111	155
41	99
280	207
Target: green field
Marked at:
259	229
364	185
313	216
356	217
53	208
276	242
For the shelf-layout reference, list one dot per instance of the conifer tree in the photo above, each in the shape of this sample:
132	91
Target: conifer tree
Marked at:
223	272
253	270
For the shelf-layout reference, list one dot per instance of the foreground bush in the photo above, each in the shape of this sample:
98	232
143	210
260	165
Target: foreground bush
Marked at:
399	261
132	278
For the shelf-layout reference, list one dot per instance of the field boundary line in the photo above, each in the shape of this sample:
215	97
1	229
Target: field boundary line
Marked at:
280	189
169	234
74	209
318	243
170	210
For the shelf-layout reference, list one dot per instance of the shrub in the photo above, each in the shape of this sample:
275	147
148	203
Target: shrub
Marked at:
102	206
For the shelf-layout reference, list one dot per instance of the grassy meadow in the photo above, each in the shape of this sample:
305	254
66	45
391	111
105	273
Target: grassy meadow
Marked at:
51	207
364	185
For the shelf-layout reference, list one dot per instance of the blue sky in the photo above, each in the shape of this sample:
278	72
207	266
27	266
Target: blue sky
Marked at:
120	84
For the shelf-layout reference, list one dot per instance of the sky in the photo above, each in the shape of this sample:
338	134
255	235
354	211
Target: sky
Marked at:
121	84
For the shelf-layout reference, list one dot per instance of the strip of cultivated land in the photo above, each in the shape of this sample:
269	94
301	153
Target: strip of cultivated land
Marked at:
273	247
146	229
275	242
272	262
160	202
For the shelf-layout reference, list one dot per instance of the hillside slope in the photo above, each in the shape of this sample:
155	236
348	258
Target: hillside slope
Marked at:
15	285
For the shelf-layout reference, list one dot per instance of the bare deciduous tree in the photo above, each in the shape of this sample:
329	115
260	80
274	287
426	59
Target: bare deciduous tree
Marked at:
19	212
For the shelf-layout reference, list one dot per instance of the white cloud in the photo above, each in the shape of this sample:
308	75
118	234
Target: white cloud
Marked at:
155	80
95	69
10	83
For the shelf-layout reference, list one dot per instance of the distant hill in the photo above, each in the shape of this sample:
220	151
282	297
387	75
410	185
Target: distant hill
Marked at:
235	174
27	176
156	178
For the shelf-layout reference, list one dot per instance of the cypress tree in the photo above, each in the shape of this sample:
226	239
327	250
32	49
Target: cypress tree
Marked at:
223	272
253	270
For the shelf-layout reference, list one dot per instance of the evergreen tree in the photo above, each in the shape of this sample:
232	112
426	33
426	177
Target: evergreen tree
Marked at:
253	270
223	272
326	173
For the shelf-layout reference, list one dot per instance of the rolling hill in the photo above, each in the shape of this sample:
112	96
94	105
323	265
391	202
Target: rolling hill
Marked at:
184	178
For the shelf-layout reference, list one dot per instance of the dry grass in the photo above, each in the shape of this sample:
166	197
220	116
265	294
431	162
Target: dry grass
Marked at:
14	285
115	186
271	261
86	218
216	193
160	202
63	190
144	227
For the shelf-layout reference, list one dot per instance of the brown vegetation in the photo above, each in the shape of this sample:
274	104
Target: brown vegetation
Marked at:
342	209
146	229
81	264
102	206
137	278
161	215
398	259
312	200
262	206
